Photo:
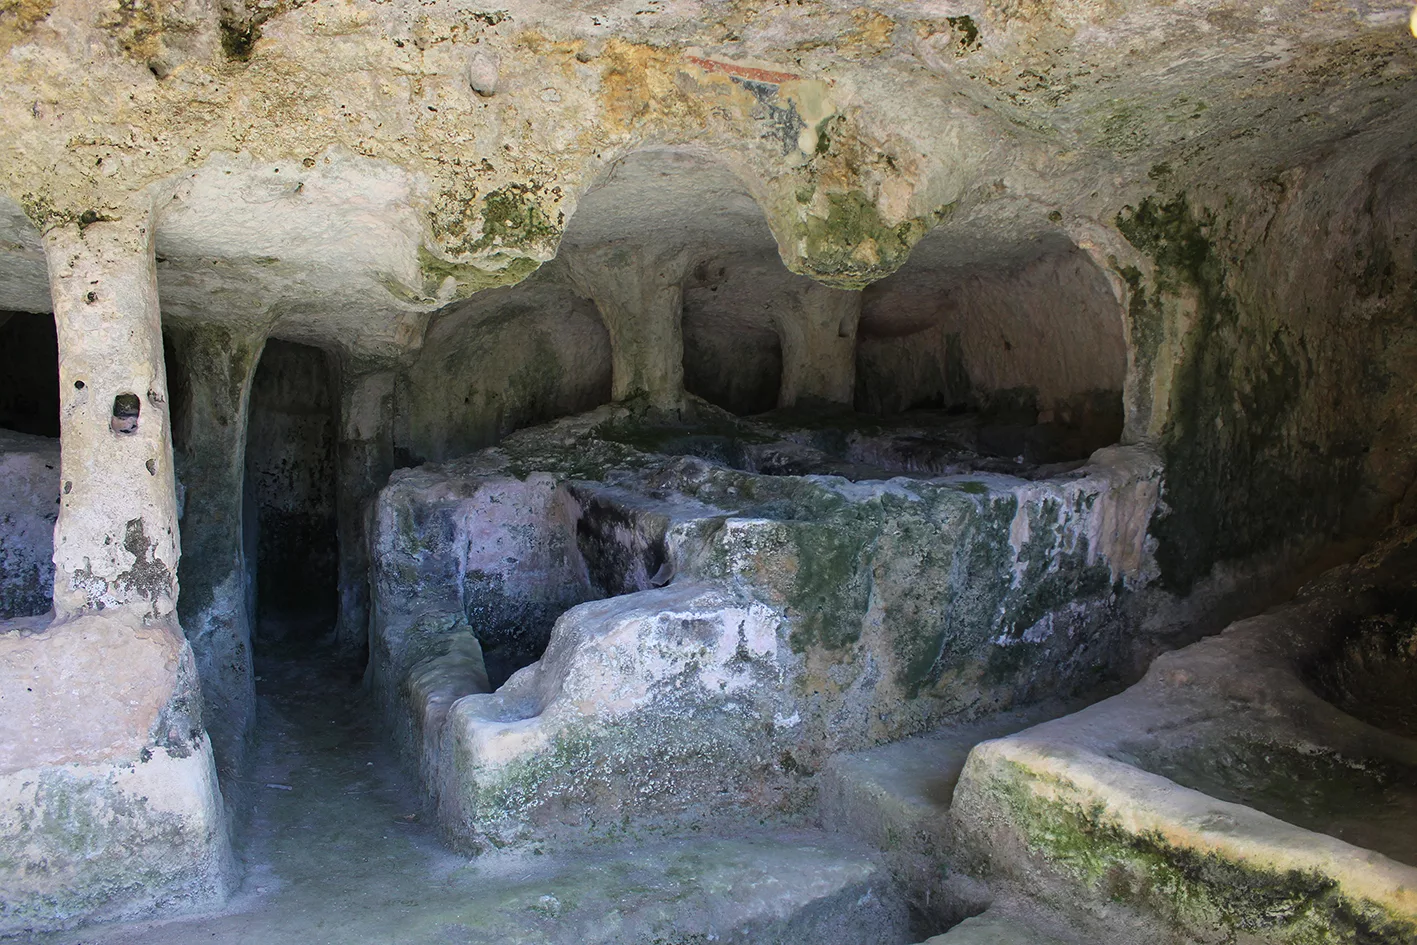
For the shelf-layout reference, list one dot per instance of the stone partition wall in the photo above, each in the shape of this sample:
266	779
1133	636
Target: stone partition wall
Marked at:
872	610
212	368
109	805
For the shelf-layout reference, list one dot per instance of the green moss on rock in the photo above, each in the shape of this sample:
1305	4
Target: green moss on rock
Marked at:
1239	481
851	246
490	272
513	217
1198	892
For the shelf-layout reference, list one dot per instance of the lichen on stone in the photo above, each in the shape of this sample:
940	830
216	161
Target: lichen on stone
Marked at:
1197	891
851	246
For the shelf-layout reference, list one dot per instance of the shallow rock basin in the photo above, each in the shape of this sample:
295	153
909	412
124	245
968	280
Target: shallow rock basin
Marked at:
1275	756
1372	672
1370	802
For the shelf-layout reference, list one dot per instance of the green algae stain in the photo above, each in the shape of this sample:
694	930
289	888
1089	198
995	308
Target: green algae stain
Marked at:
1190	889
491	272
516	232
968	32
945	607
1236	482
1124	132
515	220
851	246
832	587
513	217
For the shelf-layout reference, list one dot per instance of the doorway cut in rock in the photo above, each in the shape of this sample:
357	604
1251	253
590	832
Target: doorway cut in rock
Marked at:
290	530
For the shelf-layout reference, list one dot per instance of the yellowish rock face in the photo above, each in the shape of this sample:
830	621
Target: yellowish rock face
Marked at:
466	140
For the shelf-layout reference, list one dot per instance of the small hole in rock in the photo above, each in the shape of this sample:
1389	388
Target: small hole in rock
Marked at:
78	385
152	467
126	408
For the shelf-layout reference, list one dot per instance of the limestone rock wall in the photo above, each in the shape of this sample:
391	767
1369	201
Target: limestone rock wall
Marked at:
1272	336
499	556
507	359
334	173
732	354
875	609
109	806
1041	336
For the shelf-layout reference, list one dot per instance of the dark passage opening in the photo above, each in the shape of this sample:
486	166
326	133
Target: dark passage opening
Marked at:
290	521
732	355
29	374
29	461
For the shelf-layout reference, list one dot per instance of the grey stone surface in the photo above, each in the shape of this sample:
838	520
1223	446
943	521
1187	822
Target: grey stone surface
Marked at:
1262	778
1186	229
807	599
29	497
340	854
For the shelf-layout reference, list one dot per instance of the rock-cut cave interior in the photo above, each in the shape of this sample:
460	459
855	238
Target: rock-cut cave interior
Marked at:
674	472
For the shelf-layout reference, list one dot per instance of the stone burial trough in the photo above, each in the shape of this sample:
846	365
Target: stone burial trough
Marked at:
1260	785
588	632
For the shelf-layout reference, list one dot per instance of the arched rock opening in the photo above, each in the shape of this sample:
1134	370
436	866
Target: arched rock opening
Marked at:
646	245
292	550
732	354
1029	336
503	360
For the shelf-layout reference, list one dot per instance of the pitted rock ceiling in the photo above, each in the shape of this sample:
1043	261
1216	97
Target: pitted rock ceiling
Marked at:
337	170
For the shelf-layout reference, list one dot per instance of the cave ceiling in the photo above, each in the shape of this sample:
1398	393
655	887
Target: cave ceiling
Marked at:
336	170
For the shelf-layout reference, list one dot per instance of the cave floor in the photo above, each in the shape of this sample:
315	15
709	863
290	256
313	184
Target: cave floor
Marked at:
335	849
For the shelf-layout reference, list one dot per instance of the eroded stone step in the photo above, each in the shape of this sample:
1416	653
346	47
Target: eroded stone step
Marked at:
897	797
1008	924
786	888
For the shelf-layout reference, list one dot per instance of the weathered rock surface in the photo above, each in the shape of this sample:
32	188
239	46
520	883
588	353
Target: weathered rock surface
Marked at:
802	614
655	710
338	858
109	806
29	504
1187	229
1235	789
